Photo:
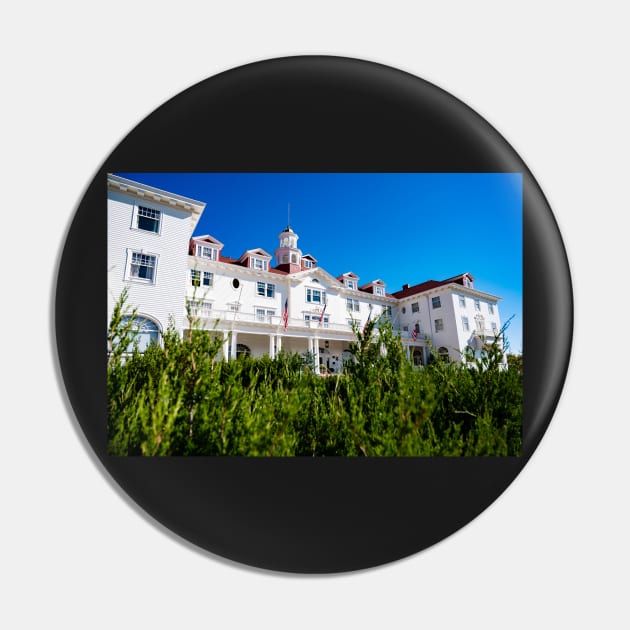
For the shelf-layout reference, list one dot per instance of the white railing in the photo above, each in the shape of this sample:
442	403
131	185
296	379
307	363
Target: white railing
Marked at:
272	320
294	322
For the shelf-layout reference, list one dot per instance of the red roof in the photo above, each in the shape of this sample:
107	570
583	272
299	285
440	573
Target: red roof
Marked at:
429	284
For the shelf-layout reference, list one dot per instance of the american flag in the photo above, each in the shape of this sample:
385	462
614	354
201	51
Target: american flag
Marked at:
367	321
285	313
414	334
321	317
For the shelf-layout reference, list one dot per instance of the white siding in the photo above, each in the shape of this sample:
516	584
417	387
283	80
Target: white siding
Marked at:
164	298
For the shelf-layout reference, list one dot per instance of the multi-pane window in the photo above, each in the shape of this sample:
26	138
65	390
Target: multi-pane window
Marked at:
207	252
201	278
406	328
387	311
477	305
352	305
379	291
351	284
307	263
148	219
258	263
465	324
264	314
494	327
439	325
462	301
436	302
491	309
265	289
315	296
415	307
235	307
353	322
313	320
145	332
199	308
142	267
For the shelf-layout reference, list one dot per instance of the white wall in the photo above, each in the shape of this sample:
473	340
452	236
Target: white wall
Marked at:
165	297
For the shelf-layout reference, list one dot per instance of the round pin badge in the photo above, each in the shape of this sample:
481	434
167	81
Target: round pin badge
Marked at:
330	314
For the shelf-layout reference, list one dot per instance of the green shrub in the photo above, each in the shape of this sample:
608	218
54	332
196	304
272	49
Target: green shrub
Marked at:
178	399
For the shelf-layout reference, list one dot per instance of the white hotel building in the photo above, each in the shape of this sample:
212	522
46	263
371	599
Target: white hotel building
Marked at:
167	273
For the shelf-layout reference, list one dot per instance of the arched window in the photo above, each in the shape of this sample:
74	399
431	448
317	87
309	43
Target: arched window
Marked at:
146	332
443	353
293	258
242	350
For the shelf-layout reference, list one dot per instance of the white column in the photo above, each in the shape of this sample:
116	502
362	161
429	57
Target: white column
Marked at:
226	341
407	348
279	343
234	338
271	347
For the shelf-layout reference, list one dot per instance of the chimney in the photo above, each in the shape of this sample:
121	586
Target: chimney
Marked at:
405	286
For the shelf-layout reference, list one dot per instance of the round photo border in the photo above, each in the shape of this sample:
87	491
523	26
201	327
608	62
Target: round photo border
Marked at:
313	114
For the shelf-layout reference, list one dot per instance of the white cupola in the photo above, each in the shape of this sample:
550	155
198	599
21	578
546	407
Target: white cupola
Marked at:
288	256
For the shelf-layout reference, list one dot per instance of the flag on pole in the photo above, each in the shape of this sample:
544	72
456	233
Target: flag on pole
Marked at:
367	321
321	317
285	313
414	334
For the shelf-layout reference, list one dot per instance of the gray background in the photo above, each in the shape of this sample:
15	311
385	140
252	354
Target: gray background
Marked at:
552	550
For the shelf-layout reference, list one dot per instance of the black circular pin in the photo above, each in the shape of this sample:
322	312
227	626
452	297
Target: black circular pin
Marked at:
351	393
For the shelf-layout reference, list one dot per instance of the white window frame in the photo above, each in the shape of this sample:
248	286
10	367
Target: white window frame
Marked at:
265	289
308	264
310	294
387	310
436	301
257	263
491	309
352	305
203	278
207	251
200	308
462	301
146	331
415	307
130	264
137	215
351	284
379	290
477	304
439	325
264	314
465	323
310	318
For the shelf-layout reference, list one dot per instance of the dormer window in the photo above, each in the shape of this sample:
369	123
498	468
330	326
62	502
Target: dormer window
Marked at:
379	290
205	251
308	263
258	263
351	284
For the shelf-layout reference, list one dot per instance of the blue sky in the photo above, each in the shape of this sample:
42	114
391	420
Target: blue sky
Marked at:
400	227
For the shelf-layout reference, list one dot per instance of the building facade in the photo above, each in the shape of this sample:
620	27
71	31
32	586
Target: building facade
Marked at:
261	308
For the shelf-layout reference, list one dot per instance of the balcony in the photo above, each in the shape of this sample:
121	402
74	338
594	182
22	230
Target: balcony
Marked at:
405	334
269	321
